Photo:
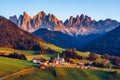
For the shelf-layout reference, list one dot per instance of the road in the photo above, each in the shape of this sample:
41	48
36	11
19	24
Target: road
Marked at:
4	77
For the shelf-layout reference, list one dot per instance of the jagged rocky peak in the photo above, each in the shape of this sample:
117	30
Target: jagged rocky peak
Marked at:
41	20
52	18
77	21
87	19
77	18
84	25
14	19
41	14
70	21
25	22
82	17
66	21
108	21
26	16
25	13
79	25
71	18
20	21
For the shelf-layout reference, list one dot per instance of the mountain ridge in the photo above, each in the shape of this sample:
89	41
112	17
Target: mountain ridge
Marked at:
74	26
57	38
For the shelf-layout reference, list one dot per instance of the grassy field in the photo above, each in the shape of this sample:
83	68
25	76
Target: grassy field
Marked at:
86	54
30	54
48	45
78	61
26	52
62	74
8	65
59	49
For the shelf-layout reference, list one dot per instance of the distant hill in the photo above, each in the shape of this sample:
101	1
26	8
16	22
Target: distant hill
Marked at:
58	38
64	40
12	36
108	43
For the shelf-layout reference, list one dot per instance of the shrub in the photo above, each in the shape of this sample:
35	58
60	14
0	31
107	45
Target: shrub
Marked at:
101	64
93	56
115	60
105	56
17	56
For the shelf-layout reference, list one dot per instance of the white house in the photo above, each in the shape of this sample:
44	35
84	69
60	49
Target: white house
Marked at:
36	60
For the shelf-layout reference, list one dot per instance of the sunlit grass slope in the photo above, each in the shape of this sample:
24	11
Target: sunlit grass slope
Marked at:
30	54
62	74
8	65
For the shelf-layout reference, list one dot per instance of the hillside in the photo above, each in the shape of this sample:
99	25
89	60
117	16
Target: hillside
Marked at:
57	38
52	73
109	43
30	54
14	65
64	40
11	36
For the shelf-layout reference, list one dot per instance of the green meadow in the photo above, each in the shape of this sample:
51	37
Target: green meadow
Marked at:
62	74
30	54
8	65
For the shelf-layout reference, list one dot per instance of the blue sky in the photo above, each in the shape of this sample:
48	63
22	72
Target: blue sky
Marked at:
63	9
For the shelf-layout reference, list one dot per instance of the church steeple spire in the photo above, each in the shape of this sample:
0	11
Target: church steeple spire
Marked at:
58	56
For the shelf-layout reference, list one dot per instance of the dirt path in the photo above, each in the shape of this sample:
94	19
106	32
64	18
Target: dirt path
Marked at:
4	77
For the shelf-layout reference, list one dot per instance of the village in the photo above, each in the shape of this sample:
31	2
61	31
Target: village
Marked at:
70	59
60	62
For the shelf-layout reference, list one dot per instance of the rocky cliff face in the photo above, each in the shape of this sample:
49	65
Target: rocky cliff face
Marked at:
79	25
14	19
84	25
41	20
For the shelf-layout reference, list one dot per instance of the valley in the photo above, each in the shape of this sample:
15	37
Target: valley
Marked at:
59	41
78	32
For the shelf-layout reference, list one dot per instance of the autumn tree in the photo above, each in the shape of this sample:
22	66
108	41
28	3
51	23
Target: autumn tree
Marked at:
93	56
105	56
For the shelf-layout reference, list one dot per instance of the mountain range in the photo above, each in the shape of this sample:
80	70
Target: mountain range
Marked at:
74	26
79	32
41	20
